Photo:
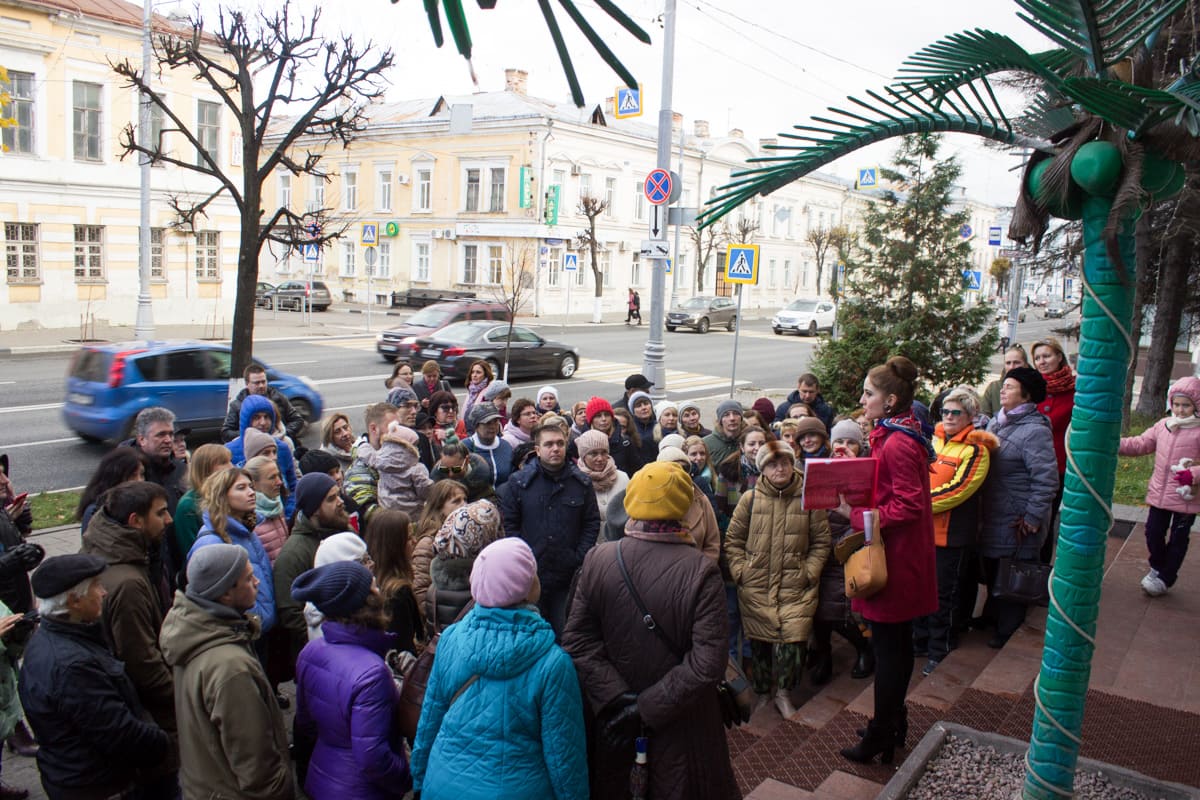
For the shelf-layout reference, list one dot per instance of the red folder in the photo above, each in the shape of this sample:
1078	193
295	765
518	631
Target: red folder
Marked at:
826	478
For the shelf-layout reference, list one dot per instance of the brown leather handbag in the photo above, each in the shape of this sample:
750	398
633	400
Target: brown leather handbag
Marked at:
412	693
866	568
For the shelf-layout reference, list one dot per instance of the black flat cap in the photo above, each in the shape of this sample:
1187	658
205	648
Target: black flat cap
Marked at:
58	574
637	381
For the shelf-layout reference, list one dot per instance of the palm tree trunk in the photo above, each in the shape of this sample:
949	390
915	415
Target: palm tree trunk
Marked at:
1104	353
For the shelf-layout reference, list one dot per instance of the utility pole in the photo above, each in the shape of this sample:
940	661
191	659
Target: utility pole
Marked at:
653	362
143	325
678	224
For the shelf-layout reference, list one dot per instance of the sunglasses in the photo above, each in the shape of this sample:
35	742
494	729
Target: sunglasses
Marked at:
456	470
952	412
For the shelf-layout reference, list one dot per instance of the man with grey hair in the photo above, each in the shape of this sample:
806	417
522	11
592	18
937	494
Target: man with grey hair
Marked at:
83	709
232	739
154	435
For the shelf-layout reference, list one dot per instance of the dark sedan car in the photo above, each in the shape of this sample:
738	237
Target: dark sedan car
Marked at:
701	313
457	346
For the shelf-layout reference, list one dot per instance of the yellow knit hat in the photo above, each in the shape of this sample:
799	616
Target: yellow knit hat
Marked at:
661	490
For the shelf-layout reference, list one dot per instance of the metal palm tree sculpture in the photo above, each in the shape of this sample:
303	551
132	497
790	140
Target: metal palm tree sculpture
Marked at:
1104	149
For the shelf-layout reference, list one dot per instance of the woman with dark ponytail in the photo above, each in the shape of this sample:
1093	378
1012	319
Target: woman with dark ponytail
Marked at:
906	525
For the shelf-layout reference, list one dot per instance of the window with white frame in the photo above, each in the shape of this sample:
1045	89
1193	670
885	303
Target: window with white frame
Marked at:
804	276
85	124
470	265
18	136
560	180
610	197
554	267
208	131
423	196
285	190
771	273
473	189
495	265
89	253
383	266
605	262
496	190
681	265
383	189
776	218
584	269
349	253
420	271
585	186
350	188
635	270
157	138
21	252
639	201
787	273
208	255
157	273
316	193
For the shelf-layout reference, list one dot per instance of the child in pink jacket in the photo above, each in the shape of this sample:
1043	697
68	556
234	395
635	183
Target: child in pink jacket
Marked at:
403	480
1173	493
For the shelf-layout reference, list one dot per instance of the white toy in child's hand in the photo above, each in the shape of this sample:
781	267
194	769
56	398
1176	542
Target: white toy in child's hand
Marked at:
1184	490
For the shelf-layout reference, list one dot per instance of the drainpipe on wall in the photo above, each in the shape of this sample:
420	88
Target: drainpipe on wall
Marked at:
540	215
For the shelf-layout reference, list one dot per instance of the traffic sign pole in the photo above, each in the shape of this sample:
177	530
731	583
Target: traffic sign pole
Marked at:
737	334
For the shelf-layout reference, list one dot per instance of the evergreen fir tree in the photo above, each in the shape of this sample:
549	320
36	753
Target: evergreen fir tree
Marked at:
905	288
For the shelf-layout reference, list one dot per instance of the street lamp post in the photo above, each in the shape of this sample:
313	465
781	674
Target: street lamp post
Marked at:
143	326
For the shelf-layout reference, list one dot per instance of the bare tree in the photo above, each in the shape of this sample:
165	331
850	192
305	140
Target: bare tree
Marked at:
259	66
706	242
515	289
744	230
592	207
823	240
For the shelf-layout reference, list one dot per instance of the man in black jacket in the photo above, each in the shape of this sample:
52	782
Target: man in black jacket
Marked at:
807	391
79	702
256	383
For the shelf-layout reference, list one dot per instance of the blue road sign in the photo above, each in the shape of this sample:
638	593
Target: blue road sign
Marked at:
974	279
312	253
658	186
570	262
742	264
868	178
994	234
966	231
628	103
370	234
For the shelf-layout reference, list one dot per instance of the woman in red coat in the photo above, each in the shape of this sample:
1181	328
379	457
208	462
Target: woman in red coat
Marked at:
1050	360
906	524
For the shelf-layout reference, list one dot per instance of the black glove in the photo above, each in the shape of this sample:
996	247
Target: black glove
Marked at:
622	725
29	555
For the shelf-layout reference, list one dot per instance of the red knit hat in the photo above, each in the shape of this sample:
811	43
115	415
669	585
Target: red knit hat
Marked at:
765	407
595	406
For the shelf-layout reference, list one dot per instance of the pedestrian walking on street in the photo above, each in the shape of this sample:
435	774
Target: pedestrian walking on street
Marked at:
633	305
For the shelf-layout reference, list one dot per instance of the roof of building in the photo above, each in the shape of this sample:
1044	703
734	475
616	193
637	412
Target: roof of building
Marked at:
116	11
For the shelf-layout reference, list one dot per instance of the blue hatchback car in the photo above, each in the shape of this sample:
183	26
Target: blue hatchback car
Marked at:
108	384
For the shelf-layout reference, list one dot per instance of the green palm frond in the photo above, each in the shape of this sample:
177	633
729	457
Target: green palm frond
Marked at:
1101	32
898	113
1047	114
1123	104
460	30
963	57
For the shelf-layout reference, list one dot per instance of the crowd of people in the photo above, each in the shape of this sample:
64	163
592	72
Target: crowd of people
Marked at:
585	573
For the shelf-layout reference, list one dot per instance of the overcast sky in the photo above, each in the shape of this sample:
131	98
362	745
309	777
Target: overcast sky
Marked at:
758	65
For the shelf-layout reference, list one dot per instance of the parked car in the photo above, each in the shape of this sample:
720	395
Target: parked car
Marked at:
393	342
457	346
1056	309
108	384
701	313
260	292
296	295
1002	314
805	315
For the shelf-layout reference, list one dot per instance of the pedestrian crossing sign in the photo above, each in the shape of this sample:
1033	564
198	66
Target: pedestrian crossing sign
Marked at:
312	253
742	264
628	102
370	234
868	177
570	262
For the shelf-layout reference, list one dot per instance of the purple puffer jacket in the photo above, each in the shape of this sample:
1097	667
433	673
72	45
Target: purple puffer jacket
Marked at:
344	687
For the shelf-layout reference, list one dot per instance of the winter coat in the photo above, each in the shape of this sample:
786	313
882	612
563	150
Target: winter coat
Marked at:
832	603
186	520
620	447
422	557
1022	484
133	613
604	498
345	457
346	691
272	532
232	739
676	684
513	434
84	711
403	480
556	515
448	593
264	604
820	407
701	522
293	422
517	731
498	457
362	480
15	591
990	399
297	556
10	702
720	447
906	523
1057	408
648	451
956	476
477	480
283	451
424	391
1168	448
776	551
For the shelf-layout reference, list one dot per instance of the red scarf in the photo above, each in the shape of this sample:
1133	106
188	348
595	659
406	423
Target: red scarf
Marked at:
1061	381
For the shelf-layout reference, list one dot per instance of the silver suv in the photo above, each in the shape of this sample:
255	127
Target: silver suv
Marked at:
296	295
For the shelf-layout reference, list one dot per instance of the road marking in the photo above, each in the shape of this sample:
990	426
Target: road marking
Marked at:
7	383
40	407
45	441
677	380
356	379
292	363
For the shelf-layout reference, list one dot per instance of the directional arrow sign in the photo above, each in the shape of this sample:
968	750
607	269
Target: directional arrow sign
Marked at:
656	221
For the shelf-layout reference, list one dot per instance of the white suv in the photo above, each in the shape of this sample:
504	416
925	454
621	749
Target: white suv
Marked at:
805	315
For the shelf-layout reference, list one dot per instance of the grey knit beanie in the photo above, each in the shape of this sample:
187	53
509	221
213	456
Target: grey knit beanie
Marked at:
214	569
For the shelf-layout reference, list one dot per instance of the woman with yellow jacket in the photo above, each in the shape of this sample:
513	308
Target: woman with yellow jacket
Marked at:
955	478
776	551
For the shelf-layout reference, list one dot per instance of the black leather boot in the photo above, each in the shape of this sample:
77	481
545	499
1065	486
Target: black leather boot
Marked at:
21	741
878	741
901	729
864	664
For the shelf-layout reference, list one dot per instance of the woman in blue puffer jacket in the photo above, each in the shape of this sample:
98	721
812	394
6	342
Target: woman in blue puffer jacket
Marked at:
345	694
502	716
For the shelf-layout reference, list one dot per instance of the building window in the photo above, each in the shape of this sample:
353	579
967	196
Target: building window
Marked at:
474	178
350	189
804	276
610	197
639	202
424	193
680	263
21	252
157	118
496	192
349	251
495	273
208	131
208	255
421	262
86	120
383	267
89	252
285	190
316	193
18	137
787	273
157	273
585	186
384	195
582	271
635	271
470	264
554	267
771	273
605	262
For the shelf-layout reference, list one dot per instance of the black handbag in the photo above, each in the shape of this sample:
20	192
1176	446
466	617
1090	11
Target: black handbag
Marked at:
1020	581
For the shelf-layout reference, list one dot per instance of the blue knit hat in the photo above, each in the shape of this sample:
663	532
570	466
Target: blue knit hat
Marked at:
311	490
337	590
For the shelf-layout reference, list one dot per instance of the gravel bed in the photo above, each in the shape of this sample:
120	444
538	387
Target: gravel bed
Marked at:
965	771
